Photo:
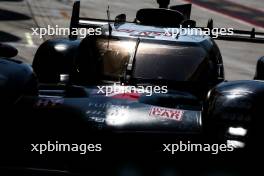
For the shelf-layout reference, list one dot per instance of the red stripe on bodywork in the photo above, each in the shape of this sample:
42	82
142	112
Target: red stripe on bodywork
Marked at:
234	10
127	96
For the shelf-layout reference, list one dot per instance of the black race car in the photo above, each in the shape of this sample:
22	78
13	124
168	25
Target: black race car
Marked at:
134	79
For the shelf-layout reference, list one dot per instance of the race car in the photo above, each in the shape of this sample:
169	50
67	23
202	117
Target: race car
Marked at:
135	78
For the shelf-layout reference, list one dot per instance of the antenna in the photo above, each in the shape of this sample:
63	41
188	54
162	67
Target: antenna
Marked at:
109	25
108	19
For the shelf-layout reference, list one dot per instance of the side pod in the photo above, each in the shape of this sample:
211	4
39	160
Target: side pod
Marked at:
234	110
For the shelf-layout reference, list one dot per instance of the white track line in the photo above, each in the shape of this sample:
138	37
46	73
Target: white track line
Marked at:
235	2
30	42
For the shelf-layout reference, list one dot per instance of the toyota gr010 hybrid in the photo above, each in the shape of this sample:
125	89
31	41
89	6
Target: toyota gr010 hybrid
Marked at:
135	78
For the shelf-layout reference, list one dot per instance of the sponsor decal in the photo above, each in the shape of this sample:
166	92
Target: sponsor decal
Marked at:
151	34
104	109
49	102
173	114
104	106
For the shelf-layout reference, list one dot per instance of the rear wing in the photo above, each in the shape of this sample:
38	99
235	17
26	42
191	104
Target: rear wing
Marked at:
239	35
244	36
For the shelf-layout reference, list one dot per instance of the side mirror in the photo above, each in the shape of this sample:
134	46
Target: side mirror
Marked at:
121	18
260	69
7	50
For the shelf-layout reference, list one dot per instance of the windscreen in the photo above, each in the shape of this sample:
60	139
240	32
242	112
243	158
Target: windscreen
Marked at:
115	55
171	62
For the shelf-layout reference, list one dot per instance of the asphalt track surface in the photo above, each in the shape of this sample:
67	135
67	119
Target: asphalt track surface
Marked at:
17	17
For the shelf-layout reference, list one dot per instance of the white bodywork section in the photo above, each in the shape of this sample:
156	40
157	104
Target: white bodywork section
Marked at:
155	33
